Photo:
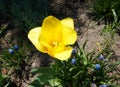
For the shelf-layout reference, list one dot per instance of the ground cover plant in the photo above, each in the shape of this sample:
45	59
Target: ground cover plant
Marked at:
106	9
41	46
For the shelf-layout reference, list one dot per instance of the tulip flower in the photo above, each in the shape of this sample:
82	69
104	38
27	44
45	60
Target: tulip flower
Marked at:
54	37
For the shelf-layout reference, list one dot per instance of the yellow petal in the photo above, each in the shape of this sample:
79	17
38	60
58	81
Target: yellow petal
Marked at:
33	36
51	30
64	55
68	22
69	36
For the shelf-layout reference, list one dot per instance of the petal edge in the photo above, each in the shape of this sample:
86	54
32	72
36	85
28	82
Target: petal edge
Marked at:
68	22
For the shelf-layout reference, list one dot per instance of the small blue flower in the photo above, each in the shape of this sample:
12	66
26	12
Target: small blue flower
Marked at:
103	85
16	47
97	66
73	61
11	51
101	57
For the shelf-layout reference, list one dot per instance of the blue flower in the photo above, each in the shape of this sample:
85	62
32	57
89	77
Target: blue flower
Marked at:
11	51
73	61
97	66
101	57
103	85
16	47
74	52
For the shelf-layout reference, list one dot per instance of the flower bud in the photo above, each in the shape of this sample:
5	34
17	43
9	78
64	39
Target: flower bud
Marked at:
73	61
97	66
11	51
101	57
16	47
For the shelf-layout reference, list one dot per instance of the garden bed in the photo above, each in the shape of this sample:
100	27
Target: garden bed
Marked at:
87	29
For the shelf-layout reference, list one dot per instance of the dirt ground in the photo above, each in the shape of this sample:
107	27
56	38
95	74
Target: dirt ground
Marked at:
87	28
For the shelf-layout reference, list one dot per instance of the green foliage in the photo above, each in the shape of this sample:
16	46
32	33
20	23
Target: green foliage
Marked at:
108	33
13	58
106	9
4	80
80	73
45	77
25	14
108	30
3	28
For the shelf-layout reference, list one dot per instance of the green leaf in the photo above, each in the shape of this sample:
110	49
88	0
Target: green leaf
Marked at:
84	56
41	70
54	82
45	76
84	44
35	83
109	55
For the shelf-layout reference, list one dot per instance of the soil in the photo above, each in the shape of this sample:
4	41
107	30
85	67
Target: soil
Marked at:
87	29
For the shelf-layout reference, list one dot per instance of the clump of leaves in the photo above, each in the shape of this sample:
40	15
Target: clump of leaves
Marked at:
4	80
13	58
105	9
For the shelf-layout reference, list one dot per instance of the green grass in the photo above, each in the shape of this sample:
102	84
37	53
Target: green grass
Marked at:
106	8
24	14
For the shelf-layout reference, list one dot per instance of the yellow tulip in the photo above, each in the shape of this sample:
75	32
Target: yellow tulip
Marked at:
54	37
